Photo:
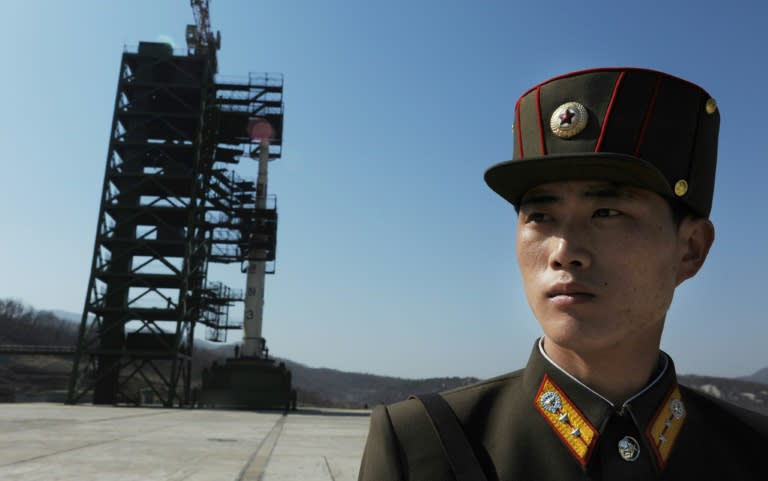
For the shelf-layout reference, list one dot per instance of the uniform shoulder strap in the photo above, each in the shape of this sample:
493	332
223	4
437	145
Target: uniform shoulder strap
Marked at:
458	451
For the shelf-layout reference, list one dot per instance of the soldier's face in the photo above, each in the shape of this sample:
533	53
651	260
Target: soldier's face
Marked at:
600	262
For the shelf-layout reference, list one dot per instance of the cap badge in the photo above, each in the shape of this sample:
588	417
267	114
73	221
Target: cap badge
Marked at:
568	120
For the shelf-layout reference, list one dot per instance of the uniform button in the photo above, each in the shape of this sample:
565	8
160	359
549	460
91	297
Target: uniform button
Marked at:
629	449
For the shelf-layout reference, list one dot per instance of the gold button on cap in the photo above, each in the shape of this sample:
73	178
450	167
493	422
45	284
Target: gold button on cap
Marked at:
681	188
710	106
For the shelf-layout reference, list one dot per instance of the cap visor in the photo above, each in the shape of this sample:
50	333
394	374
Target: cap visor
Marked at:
513	178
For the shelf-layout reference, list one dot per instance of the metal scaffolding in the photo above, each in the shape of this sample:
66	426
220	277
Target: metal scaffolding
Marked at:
170	205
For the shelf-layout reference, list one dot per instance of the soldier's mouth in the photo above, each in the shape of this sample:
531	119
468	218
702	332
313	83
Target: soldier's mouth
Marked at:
570	293
572	298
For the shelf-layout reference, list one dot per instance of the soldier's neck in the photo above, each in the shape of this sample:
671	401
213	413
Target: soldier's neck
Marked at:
616	374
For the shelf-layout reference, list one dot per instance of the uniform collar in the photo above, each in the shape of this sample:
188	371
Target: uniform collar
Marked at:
556	392
663	367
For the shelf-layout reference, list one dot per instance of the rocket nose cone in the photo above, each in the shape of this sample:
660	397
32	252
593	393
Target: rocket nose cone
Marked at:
260	130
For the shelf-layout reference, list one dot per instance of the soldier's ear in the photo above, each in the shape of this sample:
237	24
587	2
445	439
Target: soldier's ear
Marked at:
695	236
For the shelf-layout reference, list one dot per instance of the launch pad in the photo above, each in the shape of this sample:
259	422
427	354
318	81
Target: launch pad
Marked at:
248	383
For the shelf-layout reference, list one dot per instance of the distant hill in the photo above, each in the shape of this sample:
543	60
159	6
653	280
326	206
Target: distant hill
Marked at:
760	376
67	316
26	377
331	387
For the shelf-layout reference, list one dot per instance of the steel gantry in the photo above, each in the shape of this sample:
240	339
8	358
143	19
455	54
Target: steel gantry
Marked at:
170	204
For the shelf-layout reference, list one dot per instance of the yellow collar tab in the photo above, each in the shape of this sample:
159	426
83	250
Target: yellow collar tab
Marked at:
566	420
666	425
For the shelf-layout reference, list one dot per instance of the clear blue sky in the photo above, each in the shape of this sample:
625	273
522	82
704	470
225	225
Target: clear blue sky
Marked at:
393	256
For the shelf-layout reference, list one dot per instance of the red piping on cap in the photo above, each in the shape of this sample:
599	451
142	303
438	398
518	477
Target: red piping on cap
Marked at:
518	129
541	124
608	112
648	113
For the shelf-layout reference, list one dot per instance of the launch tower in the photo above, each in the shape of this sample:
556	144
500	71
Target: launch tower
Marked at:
172	203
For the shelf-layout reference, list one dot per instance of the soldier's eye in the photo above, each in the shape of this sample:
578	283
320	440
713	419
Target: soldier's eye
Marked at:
605	212
537	217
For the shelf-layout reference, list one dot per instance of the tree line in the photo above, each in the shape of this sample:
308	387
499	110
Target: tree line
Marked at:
21	324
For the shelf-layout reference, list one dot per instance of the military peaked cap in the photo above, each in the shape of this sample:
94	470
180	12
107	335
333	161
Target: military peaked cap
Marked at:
628	125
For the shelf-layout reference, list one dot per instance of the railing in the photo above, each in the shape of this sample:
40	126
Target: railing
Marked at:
25	349
254	79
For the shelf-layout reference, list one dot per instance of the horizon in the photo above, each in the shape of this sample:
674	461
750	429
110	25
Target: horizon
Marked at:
74	318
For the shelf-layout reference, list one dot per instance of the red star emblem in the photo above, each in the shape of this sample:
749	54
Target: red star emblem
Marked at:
566	117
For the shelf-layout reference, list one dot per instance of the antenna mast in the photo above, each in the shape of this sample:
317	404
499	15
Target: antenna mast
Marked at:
200	37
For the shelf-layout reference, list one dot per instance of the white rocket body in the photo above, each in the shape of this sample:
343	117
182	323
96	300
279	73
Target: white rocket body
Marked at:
253	342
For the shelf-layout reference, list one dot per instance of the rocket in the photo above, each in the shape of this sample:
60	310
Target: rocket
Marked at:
254	345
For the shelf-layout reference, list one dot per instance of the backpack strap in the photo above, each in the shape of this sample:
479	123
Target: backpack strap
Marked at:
458	451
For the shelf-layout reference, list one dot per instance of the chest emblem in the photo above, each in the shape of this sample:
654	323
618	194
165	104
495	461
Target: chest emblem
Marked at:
629	449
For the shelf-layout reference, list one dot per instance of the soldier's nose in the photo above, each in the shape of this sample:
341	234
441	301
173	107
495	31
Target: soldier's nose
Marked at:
568	254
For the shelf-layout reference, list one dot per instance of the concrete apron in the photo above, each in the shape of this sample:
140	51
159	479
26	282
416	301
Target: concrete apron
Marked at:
82	443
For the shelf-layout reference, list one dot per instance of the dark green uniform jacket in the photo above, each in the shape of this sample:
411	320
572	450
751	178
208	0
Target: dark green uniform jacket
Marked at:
541	424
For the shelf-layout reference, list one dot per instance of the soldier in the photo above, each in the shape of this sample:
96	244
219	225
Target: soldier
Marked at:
612	178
